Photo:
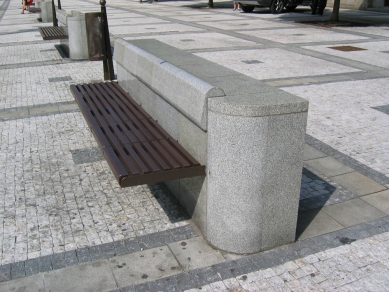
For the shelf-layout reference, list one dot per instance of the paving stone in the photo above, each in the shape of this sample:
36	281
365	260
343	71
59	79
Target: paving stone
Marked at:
358	183
353	212
379	200
328	166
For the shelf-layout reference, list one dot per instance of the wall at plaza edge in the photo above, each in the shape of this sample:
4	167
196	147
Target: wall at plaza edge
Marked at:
251	142
375	5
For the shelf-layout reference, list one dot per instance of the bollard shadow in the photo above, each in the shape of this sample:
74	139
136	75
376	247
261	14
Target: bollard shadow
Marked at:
314	194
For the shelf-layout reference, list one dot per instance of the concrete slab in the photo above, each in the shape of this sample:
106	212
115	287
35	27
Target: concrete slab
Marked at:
152	28
195	253
33	283
313	223
312	153
353	212
374	53
358	183
80	277
264	64
308	35
329	166
195	41
379	200
208	17
144	266
245	24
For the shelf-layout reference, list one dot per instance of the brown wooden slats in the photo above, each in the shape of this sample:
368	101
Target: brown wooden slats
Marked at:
136	147
52	33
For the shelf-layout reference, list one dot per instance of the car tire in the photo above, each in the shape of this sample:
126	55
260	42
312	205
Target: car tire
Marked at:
247	9
277	6
291	8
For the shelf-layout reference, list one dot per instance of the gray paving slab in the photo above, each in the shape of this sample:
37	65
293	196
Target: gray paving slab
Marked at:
312	153
33	283
195	253
81	277
315	222
328	166
378	200
358	183
353	212
144	266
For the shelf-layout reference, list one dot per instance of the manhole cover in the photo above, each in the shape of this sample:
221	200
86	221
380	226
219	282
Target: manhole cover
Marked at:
347	48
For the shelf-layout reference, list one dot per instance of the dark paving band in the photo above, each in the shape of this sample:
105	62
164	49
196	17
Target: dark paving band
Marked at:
93	253
235	268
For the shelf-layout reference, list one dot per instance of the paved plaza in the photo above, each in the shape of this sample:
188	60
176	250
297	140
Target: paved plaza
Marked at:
66	225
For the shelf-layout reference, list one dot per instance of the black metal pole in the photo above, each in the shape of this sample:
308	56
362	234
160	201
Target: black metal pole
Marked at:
59	5
107	62
55	21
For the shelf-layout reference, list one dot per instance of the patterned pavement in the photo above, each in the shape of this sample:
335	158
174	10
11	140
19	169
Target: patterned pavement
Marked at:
61	206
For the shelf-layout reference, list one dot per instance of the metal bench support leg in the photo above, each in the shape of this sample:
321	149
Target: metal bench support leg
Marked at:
107	63
55	20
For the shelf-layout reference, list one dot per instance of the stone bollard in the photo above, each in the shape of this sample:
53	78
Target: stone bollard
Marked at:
255	148
78	46
46	11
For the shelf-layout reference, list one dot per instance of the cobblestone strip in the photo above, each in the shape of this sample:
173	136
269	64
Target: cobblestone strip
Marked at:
93	253
38	110
305	262
347	160
350	267
317	191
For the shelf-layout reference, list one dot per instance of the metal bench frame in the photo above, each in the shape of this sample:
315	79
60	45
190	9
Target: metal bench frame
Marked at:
137	148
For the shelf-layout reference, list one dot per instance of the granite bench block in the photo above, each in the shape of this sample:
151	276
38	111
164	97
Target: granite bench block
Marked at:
251	142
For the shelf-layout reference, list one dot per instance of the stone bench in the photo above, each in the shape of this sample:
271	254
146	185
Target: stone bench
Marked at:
249	136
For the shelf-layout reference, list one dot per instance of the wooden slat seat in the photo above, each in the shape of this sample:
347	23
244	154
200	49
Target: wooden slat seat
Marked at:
53	33
136	147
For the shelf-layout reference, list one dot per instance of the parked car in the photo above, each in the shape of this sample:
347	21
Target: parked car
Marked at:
276	6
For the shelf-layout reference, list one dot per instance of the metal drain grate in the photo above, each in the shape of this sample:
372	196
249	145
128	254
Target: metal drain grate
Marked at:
347	48
187	40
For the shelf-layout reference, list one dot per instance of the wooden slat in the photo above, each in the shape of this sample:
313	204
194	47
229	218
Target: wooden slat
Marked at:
137	148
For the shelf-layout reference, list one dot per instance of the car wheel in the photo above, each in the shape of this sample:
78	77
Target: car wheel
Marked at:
291	7
276	6
247	9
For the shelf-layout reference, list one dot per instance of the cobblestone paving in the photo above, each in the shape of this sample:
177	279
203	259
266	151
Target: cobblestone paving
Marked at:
348	122
359	266
51	204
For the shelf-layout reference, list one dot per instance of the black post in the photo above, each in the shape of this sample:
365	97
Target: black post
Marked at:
55	21
107	62
59	5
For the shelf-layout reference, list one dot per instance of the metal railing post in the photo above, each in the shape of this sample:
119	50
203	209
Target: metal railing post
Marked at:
107	62
55	21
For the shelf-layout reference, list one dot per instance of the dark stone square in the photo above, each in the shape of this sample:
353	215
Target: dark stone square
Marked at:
87	155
